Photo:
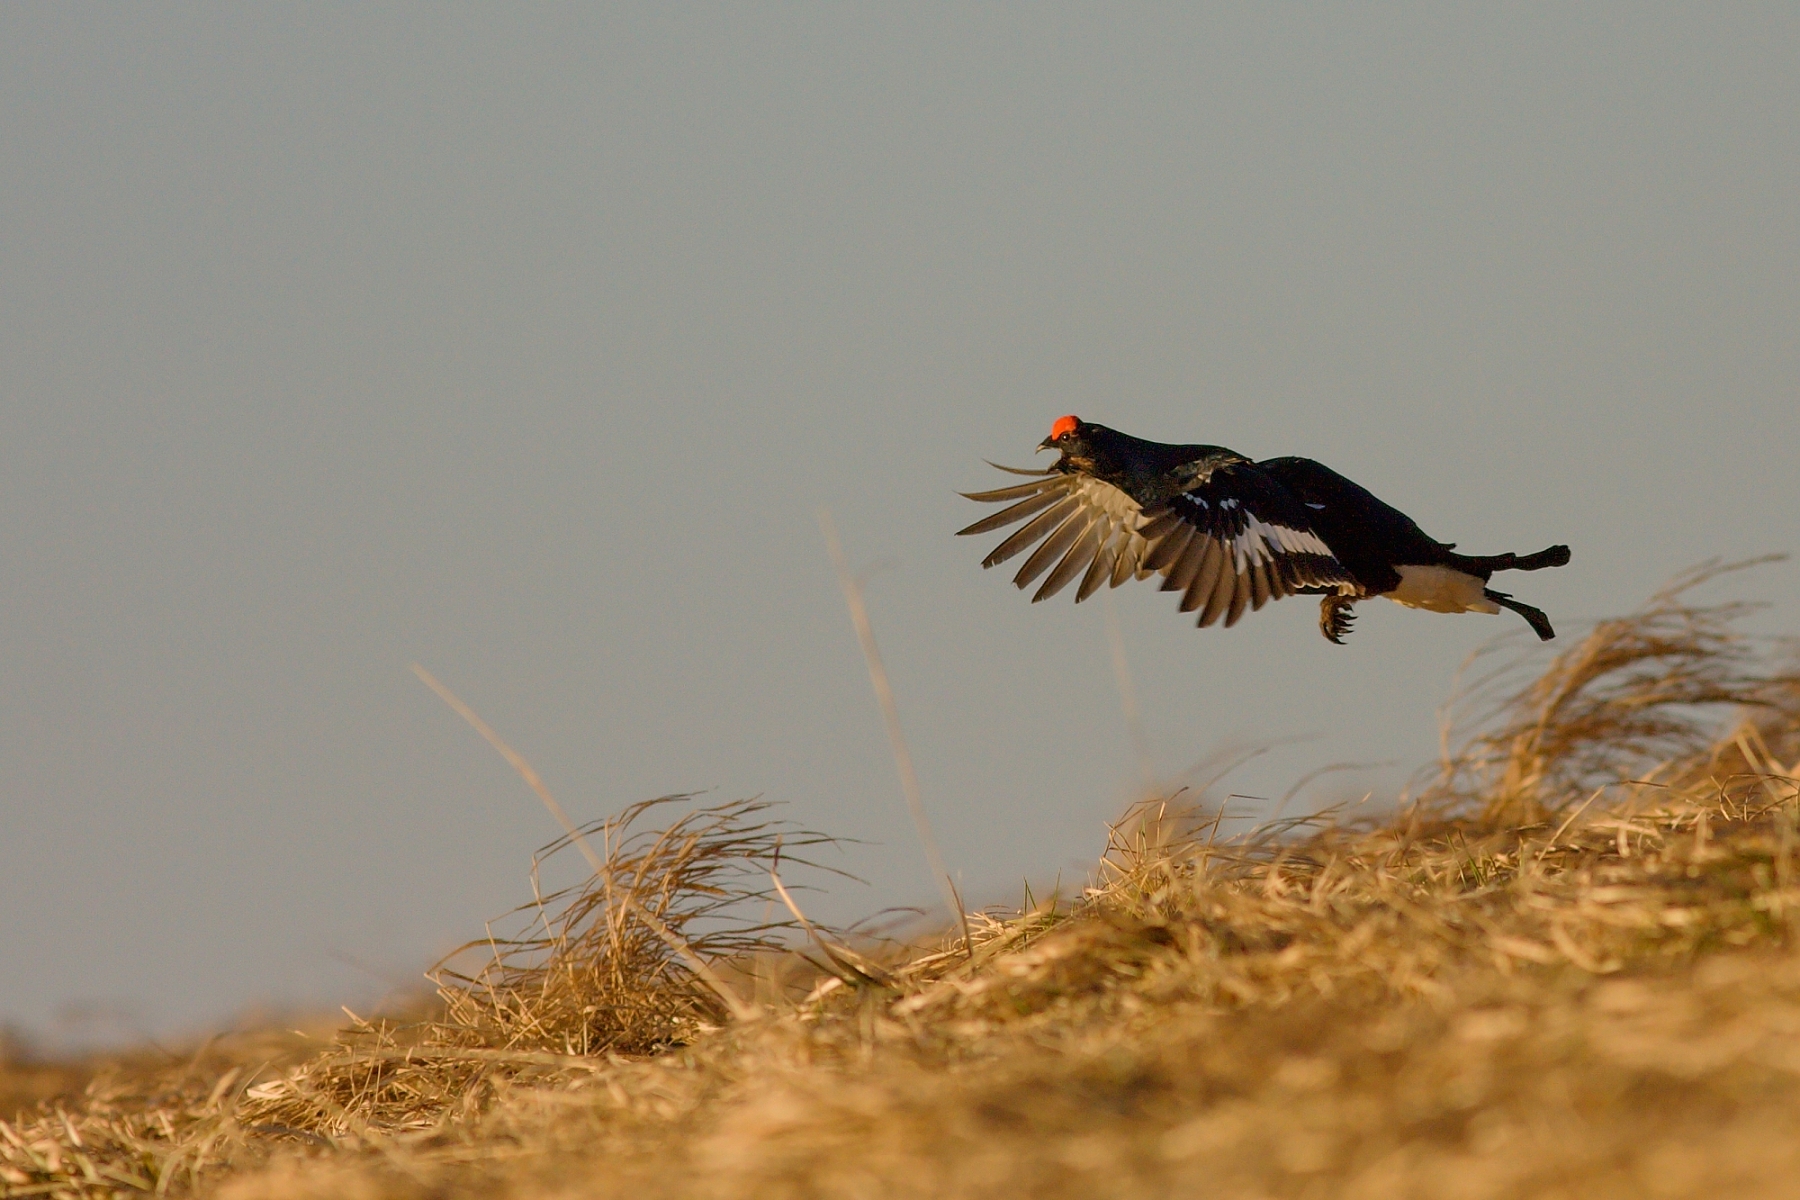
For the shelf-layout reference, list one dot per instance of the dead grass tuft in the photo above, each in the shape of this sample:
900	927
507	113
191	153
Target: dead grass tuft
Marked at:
610	963
615	966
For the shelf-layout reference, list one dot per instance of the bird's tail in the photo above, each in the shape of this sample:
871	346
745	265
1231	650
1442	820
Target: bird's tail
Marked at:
1485	565
1534	617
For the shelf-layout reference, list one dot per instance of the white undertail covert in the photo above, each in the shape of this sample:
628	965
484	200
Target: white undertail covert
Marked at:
1441	589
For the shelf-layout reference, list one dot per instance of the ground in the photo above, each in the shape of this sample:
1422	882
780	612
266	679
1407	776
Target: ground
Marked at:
1564	964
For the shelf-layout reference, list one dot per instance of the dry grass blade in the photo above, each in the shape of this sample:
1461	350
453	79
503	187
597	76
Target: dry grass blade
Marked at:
847	966
890	714
516	760
1128	703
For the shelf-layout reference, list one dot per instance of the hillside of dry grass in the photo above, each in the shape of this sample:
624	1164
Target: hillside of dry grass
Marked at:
1563	965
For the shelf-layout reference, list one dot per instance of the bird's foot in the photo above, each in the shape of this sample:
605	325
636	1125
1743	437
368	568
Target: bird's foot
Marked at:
1336	617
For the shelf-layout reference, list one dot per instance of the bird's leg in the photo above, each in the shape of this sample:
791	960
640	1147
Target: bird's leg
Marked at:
1335	617
1534	617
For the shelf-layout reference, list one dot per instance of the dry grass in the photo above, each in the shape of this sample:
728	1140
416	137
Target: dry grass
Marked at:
1638	699
28	1075
1566	967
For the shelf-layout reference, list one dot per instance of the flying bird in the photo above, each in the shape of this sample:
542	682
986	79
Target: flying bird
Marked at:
1230	534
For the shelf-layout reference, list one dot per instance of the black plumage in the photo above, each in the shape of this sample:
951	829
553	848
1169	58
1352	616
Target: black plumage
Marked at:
1230	534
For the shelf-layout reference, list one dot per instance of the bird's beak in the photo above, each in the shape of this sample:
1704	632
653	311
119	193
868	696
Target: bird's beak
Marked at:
1046	444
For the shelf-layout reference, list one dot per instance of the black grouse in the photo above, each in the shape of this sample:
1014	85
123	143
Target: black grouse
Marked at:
1230	534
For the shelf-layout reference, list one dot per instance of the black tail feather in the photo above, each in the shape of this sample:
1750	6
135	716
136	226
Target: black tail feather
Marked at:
1534	617
1485	565
1550	556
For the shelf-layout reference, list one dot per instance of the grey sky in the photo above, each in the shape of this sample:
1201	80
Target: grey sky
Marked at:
524	343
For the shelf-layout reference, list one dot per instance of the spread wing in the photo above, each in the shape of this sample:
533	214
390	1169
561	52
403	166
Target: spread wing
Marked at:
1233	541
1080	525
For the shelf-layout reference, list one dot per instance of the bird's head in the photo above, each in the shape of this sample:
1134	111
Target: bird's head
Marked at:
1068	434
1087	449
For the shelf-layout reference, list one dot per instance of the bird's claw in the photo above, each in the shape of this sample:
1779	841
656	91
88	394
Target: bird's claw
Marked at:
1335	618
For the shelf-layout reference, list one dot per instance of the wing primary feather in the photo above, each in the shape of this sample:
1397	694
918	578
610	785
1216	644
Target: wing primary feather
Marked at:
1188	565
1007	516
1129	558
1157	524
1223	587
1169	549
1081	554
1053	547
1281	577
1240	600
1259	585
1206	579
1015	492
1020	470
1102	567
1040	525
